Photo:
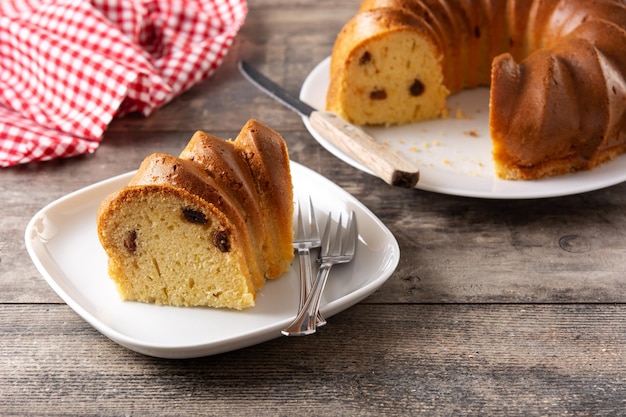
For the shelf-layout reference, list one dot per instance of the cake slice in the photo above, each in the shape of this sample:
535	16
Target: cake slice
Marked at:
188	233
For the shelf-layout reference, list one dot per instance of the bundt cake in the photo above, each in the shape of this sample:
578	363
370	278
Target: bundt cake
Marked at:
206	228
558	68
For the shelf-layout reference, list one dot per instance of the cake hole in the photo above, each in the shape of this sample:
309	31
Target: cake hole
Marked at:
417	88
378	94
191	283
217	294
130	243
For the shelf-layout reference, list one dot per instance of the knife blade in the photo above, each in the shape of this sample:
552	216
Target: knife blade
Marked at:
390	166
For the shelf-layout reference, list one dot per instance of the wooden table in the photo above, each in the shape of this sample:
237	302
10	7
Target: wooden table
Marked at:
509	307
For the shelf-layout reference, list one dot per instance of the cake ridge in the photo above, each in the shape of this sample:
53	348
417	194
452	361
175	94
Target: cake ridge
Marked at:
261	147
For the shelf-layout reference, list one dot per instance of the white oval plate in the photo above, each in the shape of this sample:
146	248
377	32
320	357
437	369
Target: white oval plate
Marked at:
62	242
454	154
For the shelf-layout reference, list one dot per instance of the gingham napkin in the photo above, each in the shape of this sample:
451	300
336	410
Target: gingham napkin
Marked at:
67	67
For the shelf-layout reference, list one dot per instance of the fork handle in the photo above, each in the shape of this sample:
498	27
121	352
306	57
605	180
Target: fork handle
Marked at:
304	256
306	321
306	281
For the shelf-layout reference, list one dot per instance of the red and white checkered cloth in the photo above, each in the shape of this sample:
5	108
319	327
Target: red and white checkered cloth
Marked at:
67	67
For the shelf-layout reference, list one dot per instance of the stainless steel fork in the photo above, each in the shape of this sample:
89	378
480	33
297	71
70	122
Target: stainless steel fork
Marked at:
306	237
337	247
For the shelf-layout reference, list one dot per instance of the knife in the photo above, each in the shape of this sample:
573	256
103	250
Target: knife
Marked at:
390	166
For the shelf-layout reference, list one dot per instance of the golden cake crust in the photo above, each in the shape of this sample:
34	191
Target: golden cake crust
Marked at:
265	150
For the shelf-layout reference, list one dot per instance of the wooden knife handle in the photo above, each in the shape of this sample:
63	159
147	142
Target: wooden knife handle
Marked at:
388	165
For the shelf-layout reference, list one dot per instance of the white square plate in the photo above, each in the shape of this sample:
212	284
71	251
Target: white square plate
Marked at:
62	242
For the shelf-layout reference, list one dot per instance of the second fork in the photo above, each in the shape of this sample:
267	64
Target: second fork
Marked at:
306	237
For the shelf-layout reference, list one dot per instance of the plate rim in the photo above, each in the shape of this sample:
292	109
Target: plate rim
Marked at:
558	186
36	248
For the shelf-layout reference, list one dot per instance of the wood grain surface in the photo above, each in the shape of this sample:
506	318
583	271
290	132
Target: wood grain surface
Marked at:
498	307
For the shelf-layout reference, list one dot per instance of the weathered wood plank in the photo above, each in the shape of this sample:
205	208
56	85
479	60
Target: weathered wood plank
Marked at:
436	359
568	249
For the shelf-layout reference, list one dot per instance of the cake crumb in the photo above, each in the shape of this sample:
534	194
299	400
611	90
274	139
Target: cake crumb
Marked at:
461	115
471	133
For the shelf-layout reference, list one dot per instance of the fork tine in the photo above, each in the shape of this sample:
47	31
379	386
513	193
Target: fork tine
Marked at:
338	242
299	233
352	236
314	232
327	235
306	229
